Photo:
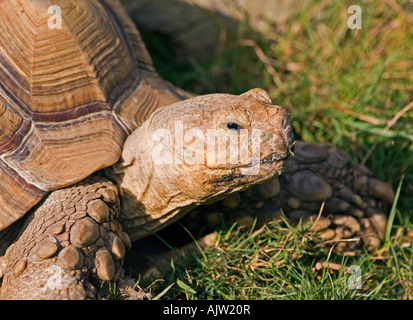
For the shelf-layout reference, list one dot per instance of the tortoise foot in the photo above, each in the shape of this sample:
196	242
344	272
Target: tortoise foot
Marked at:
72	241
320	184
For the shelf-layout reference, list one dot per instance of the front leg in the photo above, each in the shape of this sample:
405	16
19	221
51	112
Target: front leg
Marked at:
319	177
71	241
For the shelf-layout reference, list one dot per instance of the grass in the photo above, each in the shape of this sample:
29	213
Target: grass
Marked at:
278	261
352	88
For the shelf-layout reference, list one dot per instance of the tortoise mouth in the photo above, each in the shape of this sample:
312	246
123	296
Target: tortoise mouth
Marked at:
271	160
273	157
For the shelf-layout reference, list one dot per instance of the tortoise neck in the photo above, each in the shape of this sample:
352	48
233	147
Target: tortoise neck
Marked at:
150	199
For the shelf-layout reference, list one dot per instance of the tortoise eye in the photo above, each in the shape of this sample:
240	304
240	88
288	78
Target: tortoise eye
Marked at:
233	126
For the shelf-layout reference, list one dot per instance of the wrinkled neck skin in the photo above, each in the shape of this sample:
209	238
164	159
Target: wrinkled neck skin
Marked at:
157	193
147	193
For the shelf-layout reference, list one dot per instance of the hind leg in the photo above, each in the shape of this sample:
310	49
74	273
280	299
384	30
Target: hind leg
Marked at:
68	245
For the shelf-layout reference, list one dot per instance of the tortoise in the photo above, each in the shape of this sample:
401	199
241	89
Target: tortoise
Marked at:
92	154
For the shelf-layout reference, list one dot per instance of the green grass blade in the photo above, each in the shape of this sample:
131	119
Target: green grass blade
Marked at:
164	291
392	213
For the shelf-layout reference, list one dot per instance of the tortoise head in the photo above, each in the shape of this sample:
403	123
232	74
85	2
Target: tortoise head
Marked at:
198	150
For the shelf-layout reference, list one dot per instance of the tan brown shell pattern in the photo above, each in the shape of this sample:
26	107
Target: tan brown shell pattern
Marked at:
69	96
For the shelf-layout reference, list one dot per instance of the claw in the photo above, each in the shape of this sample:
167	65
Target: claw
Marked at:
373	187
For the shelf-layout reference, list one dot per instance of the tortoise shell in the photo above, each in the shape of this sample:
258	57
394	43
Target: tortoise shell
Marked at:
69	95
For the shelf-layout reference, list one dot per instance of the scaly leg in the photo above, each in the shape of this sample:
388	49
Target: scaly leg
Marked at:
71	241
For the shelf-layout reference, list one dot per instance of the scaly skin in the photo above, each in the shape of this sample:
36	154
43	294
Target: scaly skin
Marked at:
353	211
53	260
73	239
70	242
